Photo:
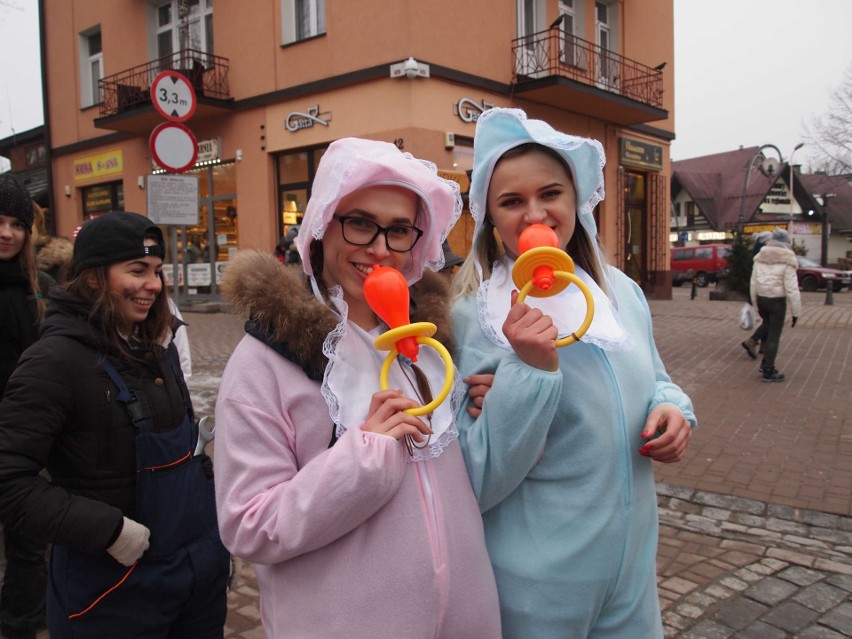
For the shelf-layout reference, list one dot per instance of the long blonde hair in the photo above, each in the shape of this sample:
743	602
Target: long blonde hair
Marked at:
488	246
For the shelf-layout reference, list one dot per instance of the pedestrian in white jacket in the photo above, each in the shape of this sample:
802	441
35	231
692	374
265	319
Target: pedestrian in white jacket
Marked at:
773	285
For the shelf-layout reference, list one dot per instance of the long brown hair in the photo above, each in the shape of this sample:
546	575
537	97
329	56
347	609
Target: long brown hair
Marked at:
92	285
27	263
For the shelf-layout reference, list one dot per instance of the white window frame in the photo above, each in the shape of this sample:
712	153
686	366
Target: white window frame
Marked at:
302	19
173	27
569	52
608	76
90	91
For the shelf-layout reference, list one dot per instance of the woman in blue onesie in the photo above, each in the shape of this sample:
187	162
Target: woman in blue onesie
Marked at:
560	450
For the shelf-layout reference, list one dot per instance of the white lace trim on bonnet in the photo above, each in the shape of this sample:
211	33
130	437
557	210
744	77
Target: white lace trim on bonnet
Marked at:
567	310
352	376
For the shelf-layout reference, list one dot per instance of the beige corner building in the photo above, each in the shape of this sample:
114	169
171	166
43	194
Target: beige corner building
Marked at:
273	82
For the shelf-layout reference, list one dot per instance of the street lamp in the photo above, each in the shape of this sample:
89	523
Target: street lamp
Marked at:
792	191
767	165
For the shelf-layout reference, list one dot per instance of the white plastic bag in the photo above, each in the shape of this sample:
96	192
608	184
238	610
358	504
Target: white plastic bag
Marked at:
747	317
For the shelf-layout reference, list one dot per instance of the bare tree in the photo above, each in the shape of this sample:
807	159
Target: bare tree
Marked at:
830	134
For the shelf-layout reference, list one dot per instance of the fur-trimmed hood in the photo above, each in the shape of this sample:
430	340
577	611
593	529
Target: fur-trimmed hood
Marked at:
281	309
776	255
54	256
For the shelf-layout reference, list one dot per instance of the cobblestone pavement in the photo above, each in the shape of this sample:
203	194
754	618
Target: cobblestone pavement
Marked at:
756	522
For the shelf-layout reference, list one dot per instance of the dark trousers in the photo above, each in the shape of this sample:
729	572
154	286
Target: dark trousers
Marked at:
759	335
24	585
772	311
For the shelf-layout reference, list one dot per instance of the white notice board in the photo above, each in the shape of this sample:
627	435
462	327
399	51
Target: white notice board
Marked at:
173	199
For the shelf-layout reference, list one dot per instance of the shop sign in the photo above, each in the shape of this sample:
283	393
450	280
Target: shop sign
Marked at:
469	111
296	121
100	165
208	150
778	201
97	198
750	229
641	154
457	176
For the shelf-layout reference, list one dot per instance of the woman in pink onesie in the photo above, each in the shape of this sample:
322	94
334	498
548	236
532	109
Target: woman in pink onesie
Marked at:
358	517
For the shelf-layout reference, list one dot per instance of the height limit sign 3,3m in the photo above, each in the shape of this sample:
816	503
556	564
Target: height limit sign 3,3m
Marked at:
173	96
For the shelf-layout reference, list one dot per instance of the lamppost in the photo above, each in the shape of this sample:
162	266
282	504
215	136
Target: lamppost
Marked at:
767	165
792	191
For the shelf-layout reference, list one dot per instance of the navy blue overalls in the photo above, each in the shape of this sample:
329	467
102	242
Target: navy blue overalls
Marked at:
177	589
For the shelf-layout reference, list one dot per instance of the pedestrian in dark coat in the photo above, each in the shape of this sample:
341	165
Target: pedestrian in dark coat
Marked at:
25	577
100	401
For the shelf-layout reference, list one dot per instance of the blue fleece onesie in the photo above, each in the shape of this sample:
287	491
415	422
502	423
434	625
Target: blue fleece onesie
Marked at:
569	504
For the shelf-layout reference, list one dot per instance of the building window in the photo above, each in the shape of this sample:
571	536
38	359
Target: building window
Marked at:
607	67
184	24
569	51
102	198
91	67
36	155
302	19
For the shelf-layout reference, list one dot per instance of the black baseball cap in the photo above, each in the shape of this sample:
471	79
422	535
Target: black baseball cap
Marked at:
113	237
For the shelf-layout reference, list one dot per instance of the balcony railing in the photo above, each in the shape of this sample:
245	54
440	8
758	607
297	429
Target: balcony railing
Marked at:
131	88
557	53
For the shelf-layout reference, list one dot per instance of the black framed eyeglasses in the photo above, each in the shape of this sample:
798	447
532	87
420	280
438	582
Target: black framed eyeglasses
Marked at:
360	231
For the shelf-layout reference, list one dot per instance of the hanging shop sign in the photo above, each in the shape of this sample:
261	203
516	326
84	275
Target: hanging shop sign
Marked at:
469	110
641	154
296	120
98	166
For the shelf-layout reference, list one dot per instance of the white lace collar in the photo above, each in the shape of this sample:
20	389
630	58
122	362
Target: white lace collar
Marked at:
567	309
352	376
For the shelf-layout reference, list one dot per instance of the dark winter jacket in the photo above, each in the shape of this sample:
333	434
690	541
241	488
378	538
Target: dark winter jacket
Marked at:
18	313
61	412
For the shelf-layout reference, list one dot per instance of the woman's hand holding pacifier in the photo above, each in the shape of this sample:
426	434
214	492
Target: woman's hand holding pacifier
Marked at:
387	417
532	335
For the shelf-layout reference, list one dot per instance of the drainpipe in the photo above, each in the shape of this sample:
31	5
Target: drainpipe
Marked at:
51	200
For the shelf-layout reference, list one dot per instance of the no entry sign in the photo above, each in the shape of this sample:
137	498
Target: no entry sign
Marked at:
173	147
173	96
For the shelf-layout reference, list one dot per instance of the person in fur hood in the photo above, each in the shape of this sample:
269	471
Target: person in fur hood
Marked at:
773	285
358	517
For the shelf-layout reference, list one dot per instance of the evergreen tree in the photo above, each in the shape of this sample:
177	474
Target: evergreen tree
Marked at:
739	264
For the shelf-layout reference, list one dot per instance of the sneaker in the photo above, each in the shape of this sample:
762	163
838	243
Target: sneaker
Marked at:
772	376
749	345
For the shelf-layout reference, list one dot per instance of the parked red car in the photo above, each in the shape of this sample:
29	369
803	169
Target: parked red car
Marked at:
812	276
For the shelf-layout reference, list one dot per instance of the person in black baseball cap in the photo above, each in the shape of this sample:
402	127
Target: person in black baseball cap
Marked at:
101	403
114	237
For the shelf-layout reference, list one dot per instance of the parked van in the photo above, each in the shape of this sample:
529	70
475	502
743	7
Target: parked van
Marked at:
706	263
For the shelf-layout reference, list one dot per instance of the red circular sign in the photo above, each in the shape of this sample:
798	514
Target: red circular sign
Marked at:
173	95
173	147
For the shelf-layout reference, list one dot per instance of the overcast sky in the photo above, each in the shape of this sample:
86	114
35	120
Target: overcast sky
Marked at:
747	72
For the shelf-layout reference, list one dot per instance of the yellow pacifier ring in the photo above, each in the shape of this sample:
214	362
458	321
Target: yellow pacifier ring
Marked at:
568	278
423	332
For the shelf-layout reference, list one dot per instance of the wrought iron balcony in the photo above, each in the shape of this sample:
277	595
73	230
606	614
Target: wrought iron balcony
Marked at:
557	54
130	89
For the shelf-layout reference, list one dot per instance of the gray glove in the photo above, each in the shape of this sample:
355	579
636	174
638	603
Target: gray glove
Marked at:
131	543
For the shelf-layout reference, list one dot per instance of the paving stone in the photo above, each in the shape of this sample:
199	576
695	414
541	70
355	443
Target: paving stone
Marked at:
833	566
821	597
707	629
790	616
819	632
841	581
784	526
740	612
760	630
771	591
839	619
801	576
